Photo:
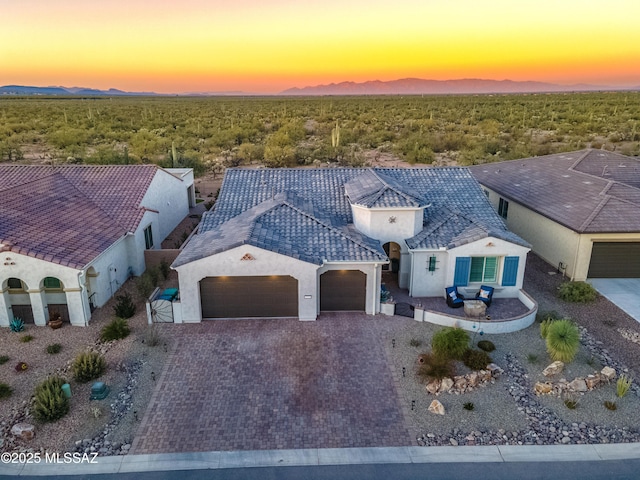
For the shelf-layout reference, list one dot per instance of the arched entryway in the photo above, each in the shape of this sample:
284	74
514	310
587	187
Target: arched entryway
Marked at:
392	249
15	294
55	298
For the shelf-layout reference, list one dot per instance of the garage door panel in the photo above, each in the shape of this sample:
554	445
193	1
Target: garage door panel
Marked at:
243	297
343	290
615	260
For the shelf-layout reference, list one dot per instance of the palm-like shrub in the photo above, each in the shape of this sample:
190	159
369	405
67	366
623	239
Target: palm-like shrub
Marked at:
5	390
50	402
450	343
117	329
563	340
88	366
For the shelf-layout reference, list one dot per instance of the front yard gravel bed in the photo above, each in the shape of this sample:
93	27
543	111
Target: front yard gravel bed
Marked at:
507	411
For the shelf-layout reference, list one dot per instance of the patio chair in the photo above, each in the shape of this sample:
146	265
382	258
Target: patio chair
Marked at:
485	294
454	298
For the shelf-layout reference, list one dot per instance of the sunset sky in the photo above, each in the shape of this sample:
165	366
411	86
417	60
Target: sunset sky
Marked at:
267	46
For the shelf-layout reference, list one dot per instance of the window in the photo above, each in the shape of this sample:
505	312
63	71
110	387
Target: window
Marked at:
483	269
52	283
486	192
148	238
503	207
15	284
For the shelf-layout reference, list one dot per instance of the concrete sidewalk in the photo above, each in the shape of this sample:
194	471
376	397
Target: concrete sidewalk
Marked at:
330	456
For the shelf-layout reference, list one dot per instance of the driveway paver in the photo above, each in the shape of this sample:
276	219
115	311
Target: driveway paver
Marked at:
276	384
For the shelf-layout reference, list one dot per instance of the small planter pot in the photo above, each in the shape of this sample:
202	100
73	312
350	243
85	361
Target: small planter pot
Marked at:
55	324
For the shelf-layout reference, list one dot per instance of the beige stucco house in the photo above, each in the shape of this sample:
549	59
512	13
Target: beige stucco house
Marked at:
71	235
296	242
580	211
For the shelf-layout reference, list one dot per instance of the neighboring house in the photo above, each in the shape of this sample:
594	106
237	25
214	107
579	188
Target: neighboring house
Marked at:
71	235
295	242
579	210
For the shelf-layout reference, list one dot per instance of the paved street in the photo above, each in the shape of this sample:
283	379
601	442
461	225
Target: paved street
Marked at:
275	384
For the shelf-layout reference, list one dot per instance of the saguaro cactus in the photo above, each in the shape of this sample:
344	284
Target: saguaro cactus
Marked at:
335	136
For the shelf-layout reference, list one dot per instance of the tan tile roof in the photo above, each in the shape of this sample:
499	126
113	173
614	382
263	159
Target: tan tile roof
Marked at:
70	214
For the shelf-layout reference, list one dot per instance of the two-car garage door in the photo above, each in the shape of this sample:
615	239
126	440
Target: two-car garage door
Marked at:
243	297
615	260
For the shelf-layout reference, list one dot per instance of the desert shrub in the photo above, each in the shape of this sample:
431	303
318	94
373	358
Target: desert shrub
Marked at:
414	342
570	402
145	284
476	359
88	366
50	402
26	338
547	315
152	336
610	405
435	367
577	292
563	340
124	307
54	348
532	358
5	390
16	325
115	330
486	345
450	342
623	385
3	359
165	269
469	406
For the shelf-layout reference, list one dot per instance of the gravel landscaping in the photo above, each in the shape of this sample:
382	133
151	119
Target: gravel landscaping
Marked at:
507	411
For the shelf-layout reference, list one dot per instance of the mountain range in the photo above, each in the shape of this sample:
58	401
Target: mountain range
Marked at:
417	86
406	86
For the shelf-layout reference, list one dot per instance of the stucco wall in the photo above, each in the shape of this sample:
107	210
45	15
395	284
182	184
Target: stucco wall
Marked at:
425	283
229	263
112	269
489	247
375	222
168	195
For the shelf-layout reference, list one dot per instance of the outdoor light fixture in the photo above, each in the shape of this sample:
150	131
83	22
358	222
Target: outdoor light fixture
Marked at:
413	404
153	376
404	371
393	342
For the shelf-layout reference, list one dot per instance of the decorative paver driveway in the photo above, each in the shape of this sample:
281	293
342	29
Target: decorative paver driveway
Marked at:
274	384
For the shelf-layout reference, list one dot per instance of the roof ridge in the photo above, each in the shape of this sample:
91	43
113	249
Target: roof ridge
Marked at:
580	159
330	227
595	212
403	194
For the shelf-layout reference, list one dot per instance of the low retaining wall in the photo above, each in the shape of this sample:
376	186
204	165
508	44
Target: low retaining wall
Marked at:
487	326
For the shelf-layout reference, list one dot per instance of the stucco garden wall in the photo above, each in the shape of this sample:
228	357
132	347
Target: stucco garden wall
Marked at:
425	283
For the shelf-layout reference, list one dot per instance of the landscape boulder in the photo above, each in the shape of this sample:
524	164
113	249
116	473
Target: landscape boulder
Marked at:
578	385
23	431
554	369
542	388
436	407
608	374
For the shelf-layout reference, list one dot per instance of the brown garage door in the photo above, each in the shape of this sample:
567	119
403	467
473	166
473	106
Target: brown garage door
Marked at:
615	260
243	297
342	290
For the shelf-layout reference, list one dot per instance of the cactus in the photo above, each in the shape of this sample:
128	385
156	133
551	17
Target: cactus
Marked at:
16	325
335	136
174	155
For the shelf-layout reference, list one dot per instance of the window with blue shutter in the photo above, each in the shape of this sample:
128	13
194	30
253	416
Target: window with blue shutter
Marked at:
510	271
461	275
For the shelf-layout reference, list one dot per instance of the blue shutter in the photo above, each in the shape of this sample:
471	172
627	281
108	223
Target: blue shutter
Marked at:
510	272
461	275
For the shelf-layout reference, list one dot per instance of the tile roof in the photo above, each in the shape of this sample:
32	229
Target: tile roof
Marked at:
588	191
70	214
306	214
374	189
281	225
